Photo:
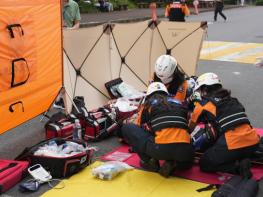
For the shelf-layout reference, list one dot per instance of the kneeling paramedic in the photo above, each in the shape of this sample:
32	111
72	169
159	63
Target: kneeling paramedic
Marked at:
168	72
161	133
236	139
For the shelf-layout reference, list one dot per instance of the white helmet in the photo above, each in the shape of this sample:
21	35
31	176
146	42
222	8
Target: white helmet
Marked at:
156	86
164	68
207	79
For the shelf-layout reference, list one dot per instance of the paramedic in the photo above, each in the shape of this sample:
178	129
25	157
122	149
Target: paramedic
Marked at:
176	11
167	71
236	140
161	133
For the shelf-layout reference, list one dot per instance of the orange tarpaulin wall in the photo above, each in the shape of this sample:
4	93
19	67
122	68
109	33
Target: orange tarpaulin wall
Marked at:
30	59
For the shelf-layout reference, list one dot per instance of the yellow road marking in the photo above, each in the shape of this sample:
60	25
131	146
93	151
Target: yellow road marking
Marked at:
231	51
209	44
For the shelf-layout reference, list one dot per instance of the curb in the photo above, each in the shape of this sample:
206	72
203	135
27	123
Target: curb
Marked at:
131	20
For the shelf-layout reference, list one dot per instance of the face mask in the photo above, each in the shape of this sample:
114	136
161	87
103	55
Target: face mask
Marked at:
166	80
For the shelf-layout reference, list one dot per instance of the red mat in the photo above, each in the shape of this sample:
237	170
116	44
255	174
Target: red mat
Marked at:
122	154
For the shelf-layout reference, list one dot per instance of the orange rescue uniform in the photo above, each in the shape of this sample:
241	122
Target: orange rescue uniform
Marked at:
241	136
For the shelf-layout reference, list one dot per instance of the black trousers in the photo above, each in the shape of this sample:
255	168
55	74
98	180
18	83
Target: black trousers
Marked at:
218	9
219	159
144	145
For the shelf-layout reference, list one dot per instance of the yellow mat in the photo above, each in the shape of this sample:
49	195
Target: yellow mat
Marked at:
133	183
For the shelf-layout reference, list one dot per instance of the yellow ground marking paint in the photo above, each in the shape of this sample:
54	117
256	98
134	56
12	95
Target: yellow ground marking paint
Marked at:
209	44
251	58
231	51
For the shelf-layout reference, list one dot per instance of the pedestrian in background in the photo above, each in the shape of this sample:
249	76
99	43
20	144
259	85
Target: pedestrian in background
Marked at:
71	14
177	10
219	6
259	62
105	6
196	3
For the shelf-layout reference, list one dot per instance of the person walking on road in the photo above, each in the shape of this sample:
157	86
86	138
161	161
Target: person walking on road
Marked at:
219	5
195	4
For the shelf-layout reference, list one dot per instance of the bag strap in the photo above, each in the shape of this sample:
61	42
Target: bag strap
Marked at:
107	112
10	165
70	118
209	187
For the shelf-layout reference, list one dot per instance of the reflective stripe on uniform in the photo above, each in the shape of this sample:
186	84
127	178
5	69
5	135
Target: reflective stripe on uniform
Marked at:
175	5
234	121
168	117
165	122
231	116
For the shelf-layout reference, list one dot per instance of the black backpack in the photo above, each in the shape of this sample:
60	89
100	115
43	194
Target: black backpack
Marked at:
260	188
237	187
82	111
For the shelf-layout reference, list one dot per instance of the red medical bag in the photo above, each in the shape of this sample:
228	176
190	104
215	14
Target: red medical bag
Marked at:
11	172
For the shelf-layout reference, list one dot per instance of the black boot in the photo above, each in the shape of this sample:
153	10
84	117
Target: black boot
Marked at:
244	168
167	168
150	165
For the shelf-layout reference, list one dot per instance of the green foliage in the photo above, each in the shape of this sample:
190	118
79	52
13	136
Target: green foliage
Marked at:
87	8
130	3
230	2
259	2
189	2
90	8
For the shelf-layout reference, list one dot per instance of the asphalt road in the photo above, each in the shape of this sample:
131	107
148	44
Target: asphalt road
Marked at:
243	25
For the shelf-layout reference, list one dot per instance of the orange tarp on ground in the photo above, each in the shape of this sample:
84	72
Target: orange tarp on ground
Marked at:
30	59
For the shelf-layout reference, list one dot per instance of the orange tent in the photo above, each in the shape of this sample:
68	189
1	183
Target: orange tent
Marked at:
30	59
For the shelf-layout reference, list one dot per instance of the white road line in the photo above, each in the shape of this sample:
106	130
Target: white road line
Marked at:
234	56
220	48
